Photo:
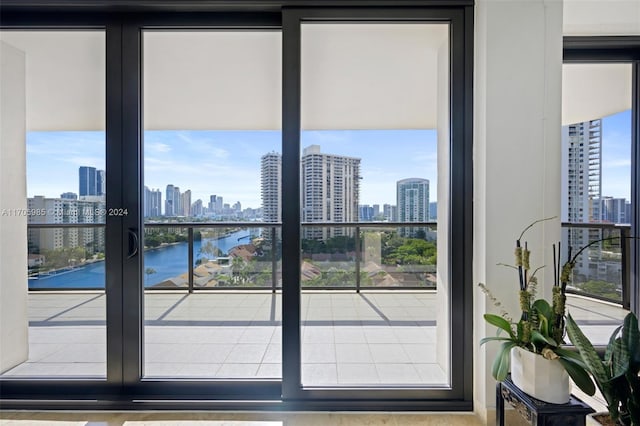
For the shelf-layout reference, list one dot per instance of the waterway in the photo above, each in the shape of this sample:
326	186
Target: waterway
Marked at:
167	261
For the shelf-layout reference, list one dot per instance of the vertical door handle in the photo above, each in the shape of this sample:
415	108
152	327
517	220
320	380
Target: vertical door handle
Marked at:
133	243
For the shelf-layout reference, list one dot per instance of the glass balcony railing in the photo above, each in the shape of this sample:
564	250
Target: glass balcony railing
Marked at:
66	256
247	255
602	271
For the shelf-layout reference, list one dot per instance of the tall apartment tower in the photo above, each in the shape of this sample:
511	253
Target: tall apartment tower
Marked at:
581	187
185	201
271	189
152	202
412	196
330	191
197	208
614	210
87	181
101	183
169	202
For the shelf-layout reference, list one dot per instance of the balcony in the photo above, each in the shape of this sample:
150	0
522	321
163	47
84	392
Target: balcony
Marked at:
370	338
360	325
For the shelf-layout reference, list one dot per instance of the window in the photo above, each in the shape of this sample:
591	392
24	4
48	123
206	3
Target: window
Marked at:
607	118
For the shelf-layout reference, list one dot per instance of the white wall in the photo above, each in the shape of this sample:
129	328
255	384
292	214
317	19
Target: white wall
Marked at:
13	197
518	76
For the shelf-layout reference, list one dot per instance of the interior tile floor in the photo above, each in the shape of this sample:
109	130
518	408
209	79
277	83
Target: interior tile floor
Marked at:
236	419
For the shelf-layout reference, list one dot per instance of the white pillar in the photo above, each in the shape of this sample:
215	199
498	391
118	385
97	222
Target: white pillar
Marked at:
14	344
518	77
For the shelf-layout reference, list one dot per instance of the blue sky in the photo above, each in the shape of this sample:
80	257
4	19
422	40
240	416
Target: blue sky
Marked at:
227	163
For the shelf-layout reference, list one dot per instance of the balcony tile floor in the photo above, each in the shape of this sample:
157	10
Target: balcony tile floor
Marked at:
370	338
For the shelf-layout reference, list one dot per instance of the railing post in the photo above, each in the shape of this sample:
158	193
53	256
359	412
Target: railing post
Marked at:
190	256
358	258
274	260
625	247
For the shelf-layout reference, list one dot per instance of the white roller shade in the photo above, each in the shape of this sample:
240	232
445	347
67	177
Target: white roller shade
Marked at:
370	76
207	80
65	78
591	91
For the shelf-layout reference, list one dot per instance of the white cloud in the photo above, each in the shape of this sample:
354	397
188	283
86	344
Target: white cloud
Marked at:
85	161
618	162
157	147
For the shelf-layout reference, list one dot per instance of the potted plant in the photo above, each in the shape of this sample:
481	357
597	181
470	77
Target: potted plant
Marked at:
532	346
617	374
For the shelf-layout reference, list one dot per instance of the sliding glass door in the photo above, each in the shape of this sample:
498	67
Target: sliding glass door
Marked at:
211	204
285	216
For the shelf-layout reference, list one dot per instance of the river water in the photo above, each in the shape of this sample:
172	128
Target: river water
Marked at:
168	262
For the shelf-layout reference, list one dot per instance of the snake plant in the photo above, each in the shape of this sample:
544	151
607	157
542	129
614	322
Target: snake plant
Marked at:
617	374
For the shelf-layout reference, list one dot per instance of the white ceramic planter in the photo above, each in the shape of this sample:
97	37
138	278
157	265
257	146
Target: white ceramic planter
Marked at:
539	377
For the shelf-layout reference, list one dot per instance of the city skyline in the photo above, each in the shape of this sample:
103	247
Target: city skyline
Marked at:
228	162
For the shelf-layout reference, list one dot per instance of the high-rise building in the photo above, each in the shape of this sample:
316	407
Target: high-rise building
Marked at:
87	181
433	211
152	202
330	191
581	188
65	211
197	208
177	201
69	196
365	213
101	183
412	196
389	212
270	182
169	202
185	201
215	205
614	210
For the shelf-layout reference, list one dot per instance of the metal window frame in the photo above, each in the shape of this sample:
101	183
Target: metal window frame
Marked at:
124	387
619	49
460	175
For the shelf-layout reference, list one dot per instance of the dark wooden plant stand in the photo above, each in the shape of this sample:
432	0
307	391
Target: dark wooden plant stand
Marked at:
536	412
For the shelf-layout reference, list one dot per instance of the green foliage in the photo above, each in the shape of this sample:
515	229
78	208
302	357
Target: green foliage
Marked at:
617	374
541	325
154	239
409	251
537	338
63	257
210	250
339	244
601	288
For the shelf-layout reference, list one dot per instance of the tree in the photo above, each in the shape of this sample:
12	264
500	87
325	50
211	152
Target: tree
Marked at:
239	270
148	272
210	250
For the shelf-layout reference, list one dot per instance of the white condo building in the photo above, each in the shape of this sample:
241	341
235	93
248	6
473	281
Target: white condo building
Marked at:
66	211
271	189
581	188
330	191
412	197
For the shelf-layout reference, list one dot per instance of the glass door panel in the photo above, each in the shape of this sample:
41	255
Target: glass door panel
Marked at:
52	204
212	204
374	180
596	190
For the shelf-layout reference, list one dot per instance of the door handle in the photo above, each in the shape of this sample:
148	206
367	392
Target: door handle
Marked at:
133	243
